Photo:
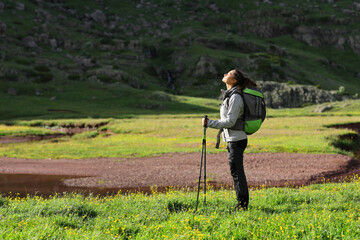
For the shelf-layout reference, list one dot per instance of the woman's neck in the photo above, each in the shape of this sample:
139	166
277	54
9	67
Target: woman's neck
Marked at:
228	87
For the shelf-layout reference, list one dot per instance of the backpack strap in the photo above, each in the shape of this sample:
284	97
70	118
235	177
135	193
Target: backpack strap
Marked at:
240	122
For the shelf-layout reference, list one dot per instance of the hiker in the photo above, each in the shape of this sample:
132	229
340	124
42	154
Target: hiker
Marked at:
231	109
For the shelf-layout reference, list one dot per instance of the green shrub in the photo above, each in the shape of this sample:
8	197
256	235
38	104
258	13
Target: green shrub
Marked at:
23	61
151	71
107	41
30	73
165	53
42	68
44	77
105	78
12	77
74	77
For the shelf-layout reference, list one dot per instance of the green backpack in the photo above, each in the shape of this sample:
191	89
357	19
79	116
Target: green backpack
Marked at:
254	111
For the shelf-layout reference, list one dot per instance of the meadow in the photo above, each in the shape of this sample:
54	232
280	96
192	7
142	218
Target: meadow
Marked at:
323	211
153	135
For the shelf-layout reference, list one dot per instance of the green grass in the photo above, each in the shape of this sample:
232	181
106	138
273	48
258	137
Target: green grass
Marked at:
286	130
85	100
22	131
154	135
325	211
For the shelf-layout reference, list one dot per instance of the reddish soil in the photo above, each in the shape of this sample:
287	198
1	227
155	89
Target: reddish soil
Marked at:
182	170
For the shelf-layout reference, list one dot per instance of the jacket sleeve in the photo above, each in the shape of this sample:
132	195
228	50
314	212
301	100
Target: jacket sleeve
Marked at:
236	107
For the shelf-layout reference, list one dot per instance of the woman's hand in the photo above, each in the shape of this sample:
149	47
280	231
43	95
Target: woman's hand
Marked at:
204	122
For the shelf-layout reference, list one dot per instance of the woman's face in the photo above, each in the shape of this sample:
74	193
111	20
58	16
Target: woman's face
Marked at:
229	78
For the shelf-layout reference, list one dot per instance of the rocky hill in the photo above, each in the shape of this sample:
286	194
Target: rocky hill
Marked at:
181	47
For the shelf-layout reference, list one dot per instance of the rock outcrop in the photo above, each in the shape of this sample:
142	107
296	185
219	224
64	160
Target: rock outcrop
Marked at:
339	38
29	42
98	16
282	95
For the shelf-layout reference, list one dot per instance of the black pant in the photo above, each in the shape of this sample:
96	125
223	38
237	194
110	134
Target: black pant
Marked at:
236	157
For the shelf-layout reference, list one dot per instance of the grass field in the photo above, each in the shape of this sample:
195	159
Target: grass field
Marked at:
325	211
154	135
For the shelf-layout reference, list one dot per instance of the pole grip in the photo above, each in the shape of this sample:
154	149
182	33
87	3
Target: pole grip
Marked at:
206	119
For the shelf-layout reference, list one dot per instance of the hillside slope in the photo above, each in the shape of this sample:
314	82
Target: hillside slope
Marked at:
181	47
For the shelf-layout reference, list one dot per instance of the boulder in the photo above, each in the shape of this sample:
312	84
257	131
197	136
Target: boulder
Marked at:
134	45
29	41
277	50
357	5
42	15
12	91
307	35
20	6
53	43
164	26
111	74
98	16
40	3
282	95
322	108
83	61
354	43
2	6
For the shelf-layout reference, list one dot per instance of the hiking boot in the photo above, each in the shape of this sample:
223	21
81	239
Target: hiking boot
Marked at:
240	207
242	204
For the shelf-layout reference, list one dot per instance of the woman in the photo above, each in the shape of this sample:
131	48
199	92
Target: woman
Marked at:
232	108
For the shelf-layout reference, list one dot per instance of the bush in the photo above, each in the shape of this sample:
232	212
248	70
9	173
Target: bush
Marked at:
29	73
105	78
107	41
74	77
165	53
44	77
11	77
151	71
42	68
24	61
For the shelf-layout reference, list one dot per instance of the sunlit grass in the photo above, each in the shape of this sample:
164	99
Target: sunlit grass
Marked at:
148	135
325	211
153	136
22	131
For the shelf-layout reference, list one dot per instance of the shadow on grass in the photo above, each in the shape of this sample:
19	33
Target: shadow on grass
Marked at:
41	108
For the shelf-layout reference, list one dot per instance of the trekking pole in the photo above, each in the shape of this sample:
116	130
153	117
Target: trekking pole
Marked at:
203	156
204	146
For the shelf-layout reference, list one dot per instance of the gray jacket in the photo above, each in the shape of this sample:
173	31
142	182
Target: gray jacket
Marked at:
230	110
